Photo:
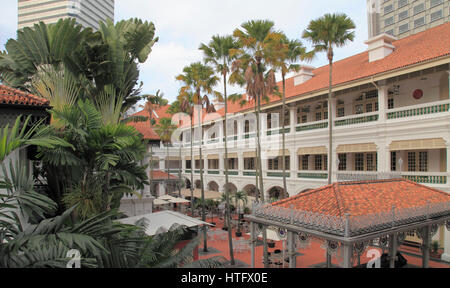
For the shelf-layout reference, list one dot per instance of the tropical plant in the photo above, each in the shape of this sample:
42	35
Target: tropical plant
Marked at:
95	60
107	154
287	53
240	197
255	56
217	53
153	103
325	33
165	129
198	78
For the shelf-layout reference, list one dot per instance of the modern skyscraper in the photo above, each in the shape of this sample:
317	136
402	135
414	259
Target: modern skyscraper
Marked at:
402	18
86	12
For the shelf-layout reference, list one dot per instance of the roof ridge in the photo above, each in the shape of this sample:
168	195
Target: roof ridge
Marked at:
338	196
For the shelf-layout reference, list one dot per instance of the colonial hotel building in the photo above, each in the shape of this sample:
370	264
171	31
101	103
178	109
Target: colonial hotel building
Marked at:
391	107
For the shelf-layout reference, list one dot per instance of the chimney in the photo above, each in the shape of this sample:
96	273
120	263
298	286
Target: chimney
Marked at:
305	73
380	46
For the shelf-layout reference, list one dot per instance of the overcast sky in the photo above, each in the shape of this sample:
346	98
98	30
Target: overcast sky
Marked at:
182	25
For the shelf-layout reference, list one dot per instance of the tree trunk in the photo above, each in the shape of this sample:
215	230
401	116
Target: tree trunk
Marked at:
205	238
284	137
192	165
330	126
227	191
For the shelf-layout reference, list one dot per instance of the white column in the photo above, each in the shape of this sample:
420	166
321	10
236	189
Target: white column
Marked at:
292	118
294	162
334	163
221	163
383	102
240	129
383	158
240	163
446	255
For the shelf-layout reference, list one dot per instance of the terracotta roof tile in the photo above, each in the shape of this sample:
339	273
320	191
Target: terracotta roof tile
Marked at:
430	44
160	175
365	197
13	96
145	128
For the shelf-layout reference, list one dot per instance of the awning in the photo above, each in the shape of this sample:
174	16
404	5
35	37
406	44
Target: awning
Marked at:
198	157
179	201
232	155
187	158
251	154
321	150
166	197
277	153
172	158
198	194
357	148
158	202
213	157
163	221
437	143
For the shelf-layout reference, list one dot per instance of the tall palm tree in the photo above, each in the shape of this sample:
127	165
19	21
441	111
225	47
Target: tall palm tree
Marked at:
153	103
325	33
198	78
164	129
255	55
217	53
288	52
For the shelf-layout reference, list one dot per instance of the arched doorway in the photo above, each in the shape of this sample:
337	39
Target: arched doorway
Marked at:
251	190
213	186
198	184
231	187
276	193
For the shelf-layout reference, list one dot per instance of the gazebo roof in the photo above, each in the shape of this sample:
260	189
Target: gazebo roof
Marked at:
357	208
365	197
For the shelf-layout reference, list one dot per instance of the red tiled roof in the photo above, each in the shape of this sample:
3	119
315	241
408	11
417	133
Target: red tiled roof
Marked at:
145	128
160	175
430	44
365	197
13	96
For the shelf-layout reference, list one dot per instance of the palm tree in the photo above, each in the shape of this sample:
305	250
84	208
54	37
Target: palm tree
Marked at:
164	129
256	54
325	33
198	78
240	196
288	52
217	53
153	103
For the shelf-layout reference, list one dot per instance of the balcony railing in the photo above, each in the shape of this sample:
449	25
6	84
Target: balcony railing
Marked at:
213	172
313	174
426	177
232	173
249	135
278	131
312	126
249	173
278	174
357	119
213	141
419	110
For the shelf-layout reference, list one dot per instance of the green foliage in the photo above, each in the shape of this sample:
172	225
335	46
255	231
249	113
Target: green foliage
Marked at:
95	60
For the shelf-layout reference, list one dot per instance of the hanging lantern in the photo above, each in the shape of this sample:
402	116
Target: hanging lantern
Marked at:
304	240
333	247
282	233
384	241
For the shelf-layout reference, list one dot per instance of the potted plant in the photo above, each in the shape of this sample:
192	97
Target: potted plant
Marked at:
435	253
239	197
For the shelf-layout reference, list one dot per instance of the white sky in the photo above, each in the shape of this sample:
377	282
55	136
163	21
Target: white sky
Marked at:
182	25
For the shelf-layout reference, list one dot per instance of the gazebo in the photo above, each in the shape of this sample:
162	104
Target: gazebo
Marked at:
351	216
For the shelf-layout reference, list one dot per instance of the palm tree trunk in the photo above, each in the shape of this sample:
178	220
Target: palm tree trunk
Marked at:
151	169
284	137
192	165
179	171
205	238
227	191
330	128
261	184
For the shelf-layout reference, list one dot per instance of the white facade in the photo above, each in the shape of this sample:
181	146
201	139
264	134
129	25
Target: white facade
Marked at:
87	12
